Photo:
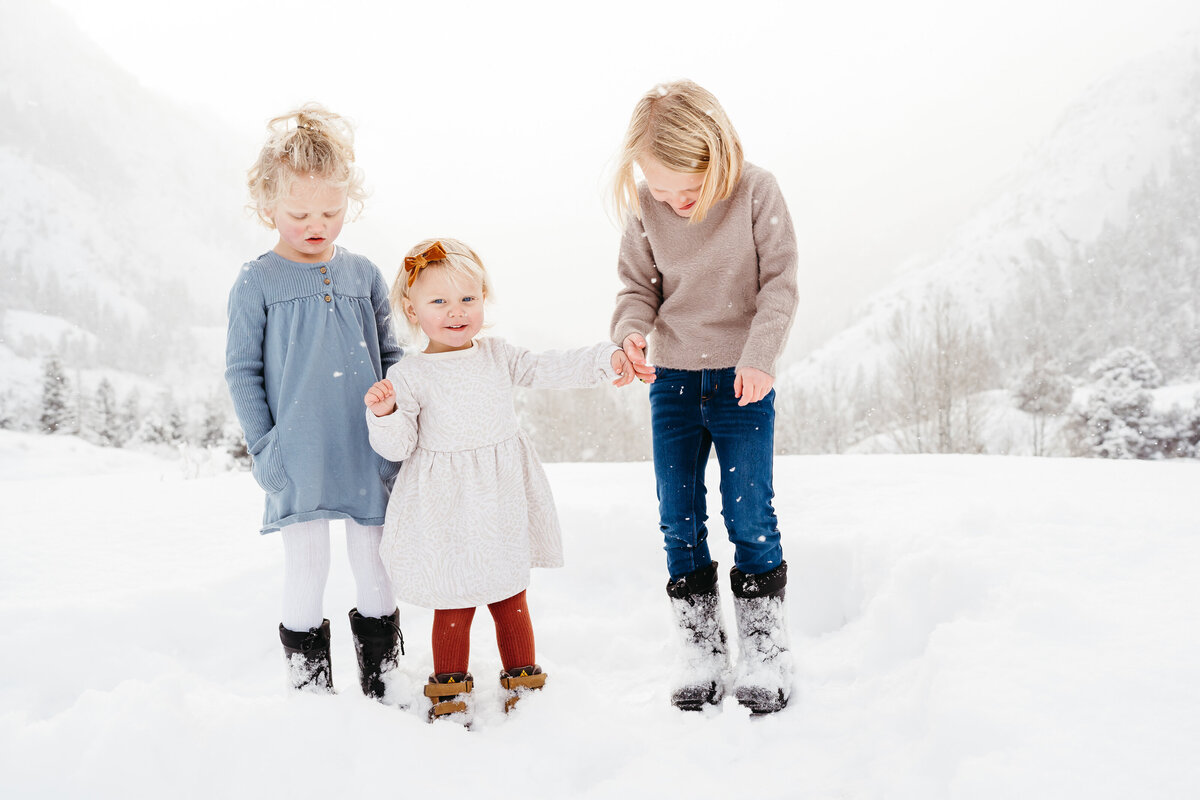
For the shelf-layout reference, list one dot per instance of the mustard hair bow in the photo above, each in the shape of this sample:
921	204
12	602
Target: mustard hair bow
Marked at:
414	264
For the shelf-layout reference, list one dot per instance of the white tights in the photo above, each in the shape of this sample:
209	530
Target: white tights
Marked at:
306	570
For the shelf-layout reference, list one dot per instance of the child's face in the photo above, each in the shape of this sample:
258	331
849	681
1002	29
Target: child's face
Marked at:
309	219
450	312
679	190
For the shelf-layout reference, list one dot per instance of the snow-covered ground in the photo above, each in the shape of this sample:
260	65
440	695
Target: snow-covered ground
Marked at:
965	627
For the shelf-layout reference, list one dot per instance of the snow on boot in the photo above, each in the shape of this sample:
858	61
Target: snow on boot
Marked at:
447	692
764	674
379	645
520	681
705	656
309	665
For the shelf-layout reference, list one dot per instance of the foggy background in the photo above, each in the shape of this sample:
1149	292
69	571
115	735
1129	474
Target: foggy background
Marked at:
885	123
889	129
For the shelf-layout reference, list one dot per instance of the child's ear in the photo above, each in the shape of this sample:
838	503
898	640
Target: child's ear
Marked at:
409	310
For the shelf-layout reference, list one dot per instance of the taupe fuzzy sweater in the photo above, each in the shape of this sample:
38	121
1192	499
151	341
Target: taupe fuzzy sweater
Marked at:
720	293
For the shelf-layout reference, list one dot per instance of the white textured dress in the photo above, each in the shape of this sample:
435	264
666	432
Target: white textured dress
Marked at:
471	511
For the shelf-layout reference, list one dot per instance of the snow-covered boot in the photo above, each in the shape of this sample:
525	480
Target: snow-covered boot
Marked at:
764	674
705	656
447	692
520	681
307	652
379	645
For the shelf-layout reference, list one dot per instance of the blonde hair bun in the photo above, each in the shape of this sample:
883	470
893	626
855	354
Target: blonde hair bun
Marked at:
309	141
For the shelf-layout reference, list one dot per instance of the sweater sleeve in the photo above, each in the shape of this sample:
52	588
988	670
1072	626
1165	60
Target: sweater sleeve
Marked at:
390	350
641	291
775	244
244	358
395	436
559	369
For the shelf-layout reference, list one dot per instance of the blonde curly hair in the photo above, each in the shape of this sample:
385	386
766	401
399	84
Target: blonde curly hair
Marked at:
308	141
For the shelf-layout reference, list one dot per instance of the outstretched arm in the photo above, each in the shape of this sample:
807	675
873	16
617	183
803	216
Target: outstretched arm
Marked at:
561	369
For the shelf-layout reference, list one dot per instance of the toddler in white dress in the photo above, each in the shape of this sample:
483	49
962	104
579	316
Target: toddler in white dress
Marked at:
471	511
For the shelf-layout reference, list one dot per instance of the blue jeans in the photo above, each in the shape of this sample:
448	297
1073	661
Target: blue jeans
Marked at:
690	413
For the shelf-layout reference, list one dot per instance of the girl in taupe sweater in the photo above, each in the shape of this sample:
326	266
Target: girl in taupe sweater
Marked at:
708	267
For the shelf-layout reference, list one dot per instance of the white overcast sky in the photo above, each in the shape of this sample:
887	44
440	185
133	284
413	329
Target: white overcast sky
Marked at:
497	121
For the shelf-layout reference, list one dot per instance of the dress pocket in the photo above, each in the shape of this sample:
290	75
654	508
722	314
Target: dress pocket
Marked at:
388	470
268	463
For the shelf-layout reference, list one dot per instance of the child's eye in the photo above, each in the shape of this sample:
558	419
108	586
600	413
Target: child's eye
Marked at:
332	214
298	216
469	299
437	300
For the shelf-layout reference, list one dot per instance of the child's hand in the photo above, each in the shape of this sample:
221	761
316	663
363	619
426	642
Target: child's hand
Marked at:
381	398
634	351
751	385
625	371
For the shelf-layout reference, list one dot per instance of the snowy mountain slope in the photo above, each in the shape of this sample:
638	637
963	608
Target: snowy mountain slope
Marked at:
964	627
122	213
1080	178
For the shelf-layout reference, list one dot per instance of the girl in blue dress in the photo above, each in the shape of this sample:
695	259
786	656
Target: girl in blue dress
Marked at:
309	333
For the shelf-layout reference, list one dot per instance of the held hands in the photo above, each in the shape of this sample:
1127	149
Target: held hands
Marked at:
381	398
630	361
751	385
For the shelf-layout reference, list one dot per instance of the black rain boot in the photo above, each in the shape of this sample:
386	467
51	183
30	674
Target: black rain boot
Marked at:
697	609
309	666
764	675
379	645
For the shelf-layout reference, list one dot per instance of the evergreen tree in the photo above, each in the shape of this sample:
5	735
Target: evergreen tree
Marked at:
8	410
129	418
57	413
105	421
1118	417
162	422
213	431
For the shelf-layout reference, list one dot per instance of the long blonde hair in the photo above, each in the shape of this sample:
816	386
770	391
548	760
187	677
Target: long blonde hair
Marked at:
461	262
308	141
682	126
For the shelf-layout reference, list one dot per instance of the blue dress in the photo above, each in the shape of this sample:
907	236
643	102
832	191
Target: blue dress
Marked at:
305	343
